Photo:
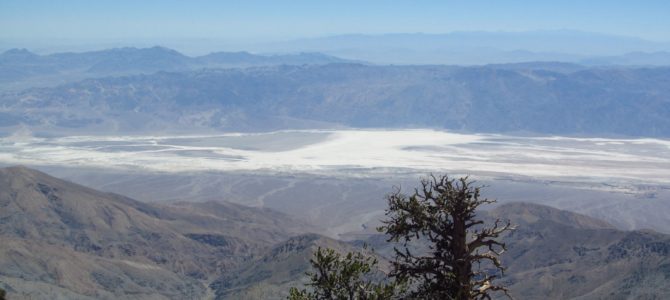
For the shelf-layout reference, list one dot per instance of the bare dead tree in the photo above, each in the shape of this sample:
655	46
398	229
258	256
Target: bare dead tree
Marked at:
442	214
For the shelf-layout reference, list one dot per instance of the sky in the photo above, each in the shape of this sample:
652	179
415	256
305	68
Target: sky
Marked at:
276	20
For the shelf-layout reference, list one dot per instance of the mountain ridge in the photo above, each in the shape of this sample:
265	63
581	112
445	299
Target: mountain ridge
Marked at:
562	100
479	47
102	245
53	248
20	68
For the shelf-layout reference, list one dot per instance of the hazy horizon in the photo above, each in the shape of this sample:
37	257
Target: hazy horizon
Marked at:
267	20
193	46
264	26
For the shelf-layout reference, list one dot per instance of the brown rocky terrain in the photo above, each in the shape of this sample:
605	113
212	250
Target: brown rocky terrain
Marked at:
64	240
556	254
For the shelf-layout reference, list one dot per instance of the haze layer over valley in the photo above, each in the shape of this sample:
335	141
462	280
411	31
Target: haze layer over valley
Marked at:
323	139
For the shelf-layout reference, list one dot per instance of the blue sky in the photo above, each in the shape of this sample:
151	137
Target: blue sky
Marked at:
283	19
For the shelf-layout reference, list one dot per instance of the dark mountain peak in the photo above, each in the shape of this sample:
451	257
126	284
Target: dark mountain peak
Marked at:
19	52
162	50
18	56
140	59
526	214
142	54
225	54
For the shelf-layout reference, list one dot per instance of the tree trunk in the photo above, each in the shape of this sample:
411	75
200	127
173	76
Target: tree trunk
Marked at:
463	266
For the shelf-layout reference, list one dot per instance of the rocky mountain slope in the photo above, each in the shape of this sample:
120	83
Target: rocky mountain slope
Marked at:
64	240
561	255
283	266
542	98
553	254
556	254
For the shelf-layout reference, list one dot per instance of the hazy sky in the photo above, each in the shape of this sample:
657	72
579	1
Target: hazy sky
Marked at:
284	19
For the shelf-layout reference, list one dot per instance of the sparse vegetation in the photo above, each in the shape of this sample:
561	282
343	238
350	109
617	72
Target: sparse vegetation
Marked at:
441	214
344	277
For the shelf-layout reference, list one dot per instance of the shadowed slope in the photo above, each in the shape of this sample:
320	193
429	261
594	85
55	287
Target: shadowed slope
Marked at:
556	254
561	255
280	268
98	244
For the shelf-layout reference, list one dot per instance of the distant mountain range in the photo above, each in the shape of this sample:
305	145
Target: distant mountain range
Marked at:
65	241
453	48
21	68
545	98
481	47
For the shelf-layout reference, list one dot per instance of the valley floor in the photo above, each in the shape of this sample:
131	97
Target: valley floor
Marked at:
341	176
